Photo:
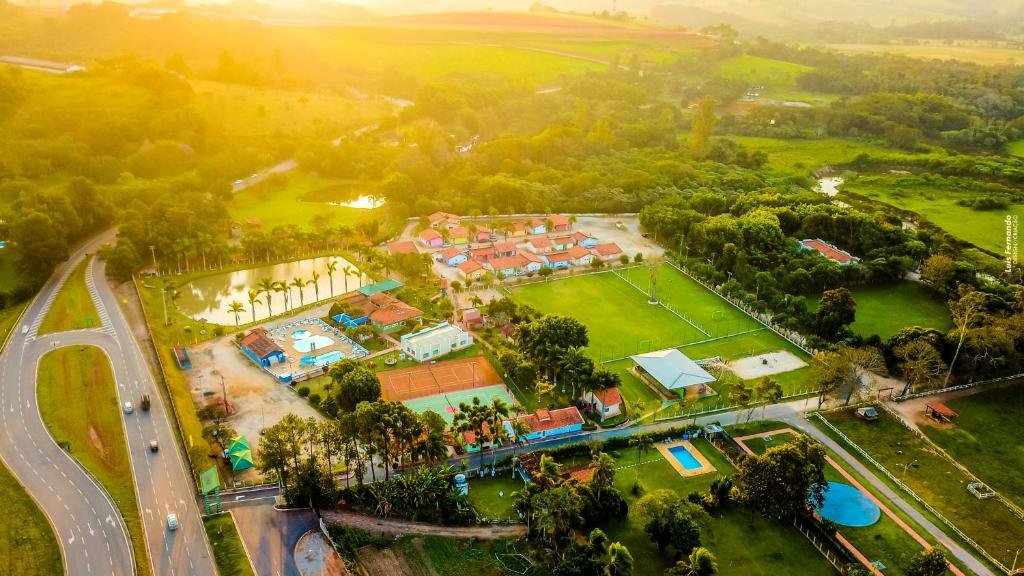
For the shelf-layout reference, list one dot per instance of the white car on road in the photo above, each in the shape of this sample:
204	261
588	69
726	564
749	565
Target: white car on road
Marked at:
172	521
128	408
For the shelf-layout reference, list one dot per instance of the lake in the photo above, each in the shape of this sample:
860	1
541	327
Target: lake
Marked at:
209	297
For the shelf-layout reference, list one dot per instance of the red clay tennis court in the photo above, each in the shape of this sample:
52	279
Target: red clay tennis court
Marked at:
429	379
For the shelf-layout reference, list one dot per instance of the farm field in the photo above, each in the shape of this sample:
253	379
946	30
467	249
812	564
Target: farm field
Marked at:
885	310
801	157
935	480
27	541
276	203
244	113
73	308
755	70
983	228
621	323
977	53
984	440
92	431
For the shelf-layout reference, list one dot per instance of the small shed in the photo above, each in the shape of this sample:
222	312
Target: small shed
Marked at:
941	412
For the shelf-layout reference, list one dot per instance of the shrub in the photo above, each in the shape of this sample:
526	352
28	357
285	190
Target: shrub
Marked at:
314	399
303	391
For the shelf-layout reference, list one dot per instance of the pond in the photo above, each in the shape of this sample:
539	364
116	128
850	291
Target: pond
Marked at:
363	202
208	297
829	186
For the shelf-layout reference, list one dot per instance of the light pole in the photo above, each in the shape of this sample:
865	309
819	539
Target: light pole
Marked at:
473	364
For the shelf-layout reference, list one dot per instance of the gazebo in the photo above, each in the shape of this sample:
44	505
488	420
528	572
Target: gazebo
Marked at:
240	454
941	412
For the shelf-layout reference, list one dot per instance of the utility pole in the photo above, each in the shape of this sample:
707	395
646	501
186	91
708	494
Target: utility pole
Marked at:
163	299
152	251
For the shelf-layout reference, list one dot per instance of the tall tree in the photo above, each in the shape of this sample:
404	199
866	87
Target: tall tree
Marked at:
267	286
357	385
236	308
332	267
703	125
966	313
781	482
930	562
254	299
300	284
836	311
701	562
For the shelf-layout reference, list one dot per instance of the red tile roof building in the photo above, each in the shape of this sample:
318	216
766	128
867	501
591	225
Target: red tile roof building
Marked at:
607	251
402	247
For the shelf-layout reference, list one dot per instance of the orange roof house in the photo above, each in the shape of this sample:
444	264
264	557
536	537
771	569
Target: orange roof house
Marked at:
402	247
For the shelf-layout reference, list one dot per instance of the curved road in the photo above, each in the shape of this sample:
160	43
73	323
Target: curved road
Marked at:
89	528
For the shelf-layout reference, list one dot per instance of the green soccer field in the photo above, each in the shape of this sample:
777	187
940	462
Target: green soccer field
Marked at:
620	322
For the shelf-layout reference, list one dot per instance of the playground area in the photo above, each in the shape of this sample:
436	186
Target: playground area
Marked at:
430	379
310	345
447	403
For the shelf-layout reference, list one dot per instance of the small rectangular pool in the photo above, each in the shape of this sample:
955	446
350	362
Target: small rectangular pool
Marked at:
683	456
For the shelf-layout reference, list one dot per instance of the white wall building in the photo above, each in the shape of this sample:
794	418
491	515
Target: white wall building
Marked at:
434	342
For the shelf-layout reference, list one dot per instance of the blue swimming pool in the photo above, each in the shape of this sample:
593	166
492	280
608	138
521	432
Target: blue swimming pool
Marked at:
848	506
323	359
300	334
683	456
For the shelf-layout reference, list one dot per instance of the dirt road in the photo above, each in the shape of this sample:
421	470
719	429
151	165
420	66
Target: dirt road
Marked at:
390	526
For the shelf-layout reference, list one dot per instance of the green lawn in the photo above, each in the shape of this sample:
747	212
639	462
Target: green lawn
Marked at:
1016	148
986	440
440	556
27	542
938	204
73	308
885	310
8	316
228	551
282	204
935	480
91	431
492	497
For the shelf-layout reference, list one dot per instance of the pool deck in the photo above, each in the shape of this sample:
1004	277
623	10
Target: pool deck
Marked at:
705	466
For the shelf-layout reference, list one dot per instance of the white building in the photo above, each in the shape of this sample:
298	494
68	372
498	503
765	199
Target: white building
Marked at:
434	342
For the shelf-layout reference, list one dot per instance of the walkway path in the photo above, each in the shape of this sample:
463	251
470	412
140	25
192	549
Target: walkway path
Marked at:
392	526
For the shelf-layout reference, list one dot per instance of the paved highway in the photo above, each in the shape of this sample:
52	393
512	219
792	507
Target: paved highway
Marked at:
89	528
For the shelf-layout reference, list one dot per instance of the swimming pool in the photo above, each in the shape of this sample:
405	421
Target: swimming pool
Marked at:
311	343
848	506
683	456
323	359
300	334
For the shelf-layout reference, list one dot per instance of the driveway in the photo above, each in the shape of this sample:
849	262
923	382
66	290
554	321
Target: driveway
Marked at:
270	536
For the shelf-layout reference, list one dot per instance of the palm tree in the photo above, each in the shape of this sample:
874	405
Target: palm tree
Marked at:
254	299
267	286
346	271
332	267
619	561
236	308
701	562
282	287
576	366
316	284
497	412
300	284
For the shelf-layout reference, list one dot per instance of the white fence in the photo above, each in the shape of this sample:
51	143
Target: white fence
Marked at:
892	478
960	387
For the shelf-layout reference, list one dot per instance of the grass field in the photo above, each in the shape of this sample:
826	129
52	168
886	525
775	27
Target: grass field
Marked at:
604	302
1016	148
985	440
938	204
228	552
979	54
9	276
440	556
800	157
885	310
91	431
755	70
73	308
282	204
27	542
935	480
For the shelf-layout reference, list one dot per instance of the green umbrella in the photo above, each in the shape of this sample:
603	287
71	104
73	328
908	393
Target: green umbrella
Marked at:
241	460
